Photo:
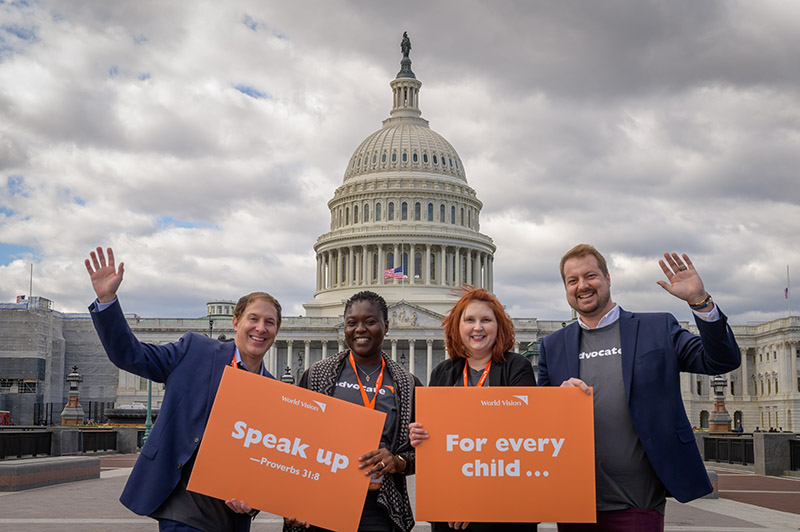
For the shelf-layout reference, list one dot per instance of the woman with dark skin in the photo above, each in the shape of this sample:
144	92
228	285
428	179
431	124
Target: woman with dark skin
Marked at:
479	336
364	375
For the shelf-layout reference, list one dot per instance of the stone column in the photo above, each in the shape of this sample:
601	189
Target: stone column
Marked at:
457	268
792	389
366	278
381	265
442	269
350	266
426	264
273	361
412	264
317	272
394	349
470	272
491	274
340	345
411	356
306	354
429	344
324	349
339	267
745	377
289	354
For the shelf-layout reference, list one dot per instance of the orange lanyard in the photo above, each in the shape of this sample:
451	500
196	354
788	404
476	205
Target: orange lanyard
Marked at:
233	362
367	402
483	377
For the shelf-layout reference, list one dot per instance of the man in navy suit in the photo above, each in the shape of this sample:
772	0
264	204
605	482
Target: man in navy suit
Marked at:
644	445
191	368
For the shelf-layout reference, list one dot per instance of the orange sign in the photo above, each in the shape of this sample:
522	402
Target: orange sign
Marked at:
286	450
506	454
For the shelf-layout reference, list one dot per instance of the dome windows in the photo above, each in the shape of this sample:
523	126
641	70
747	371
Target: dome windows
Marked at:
425	158
366	212
414	157
435	159
394	157
377	212
417	211
441	212
391	211
374	158
430	212
383	157
405	157
355	214
404	211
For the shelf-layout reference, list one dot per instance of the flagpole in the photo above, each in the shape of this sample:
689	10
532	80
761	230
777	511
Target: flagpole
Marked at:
403	275
788	291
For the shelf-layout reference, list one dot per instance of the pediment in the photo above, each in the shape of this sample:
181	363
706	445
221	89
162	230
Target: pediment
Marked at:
404	315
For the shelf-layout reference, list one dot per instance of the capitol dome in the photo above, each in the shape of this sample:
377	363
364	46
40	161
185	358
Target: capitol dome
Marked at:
404	208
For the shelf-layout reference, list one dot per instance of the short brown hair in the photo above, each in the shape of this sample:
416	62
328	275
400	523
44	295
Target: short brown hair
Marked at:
452	335
582	250
252	296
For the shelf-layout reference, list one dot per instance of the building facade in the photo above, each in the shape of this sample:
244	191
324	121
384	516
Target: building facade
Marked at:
404	203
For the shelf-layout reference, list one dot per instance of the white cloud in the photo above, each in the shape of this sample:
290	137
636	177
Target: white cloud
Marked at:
639	127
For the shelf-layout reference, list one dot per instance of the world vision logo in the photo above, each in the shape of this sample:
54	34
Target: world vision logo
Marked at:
522	399
316	406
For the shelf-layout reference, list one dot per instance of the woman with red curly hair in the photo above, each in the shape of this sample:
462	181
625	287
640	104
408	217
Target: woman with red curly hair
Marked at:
479	337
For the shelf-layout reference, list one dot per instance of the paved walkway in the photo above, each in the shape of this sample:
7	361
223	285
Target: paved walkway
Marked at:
748	503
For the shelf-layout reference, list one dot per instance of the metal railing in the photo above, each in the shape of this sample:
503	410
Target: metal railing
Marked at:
19	443
731	450
99	440
794	455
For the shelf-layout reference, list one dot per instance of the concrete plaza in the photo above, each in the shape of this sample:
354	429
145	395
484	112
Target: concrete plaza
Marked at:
747	502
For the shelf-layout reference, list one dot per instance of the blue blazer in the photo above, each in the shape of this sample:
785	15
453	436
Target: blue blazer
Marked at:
191	368
655	349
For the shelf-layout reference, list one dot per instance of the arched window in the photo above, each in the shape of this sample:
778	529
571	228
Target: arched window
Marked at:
394	157
417	213
425	158
391	211
389	260
383	157
377	212
417	265
469	217
405	157
430	212
452	214
355	214
404	256
432	266
374	158
462	215
366	212
347	216
404	211
414	157
441	213
375	267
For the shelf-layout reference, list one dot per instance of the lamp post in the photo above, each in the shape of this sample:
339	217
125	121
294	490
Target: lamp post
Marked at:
210	327
148	422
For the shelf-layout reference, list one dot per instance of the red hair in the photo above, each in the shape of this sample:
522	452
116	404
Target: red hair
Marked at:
451	323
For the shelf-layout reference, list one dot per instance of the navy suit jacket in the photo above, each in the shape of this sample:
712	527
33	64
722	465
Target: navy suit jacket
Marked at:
191	368
655	349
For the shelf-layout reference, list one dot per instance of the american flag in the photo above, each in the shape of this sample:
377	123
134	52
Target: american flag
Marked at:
396	273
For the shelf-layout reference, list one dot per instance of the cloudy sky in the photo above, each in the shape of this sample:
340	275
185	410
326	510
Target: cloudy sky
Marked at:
202	141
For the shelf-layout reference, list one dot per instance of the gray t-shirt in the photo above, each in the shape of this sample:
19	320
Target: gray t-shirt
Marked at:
347	390
473	377
624	476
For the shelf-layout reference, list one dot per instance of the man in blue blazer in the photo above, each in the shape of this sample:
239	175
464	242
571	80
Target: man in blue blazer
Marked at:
191	368
644	445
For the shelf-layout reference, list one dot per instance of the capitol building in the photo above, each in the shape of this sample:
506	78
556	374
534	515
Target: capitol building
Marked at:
404	206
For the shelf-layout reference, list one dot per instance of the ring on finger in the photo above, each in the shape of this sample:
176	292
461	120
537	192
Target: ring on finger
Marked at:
382	464
682	268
